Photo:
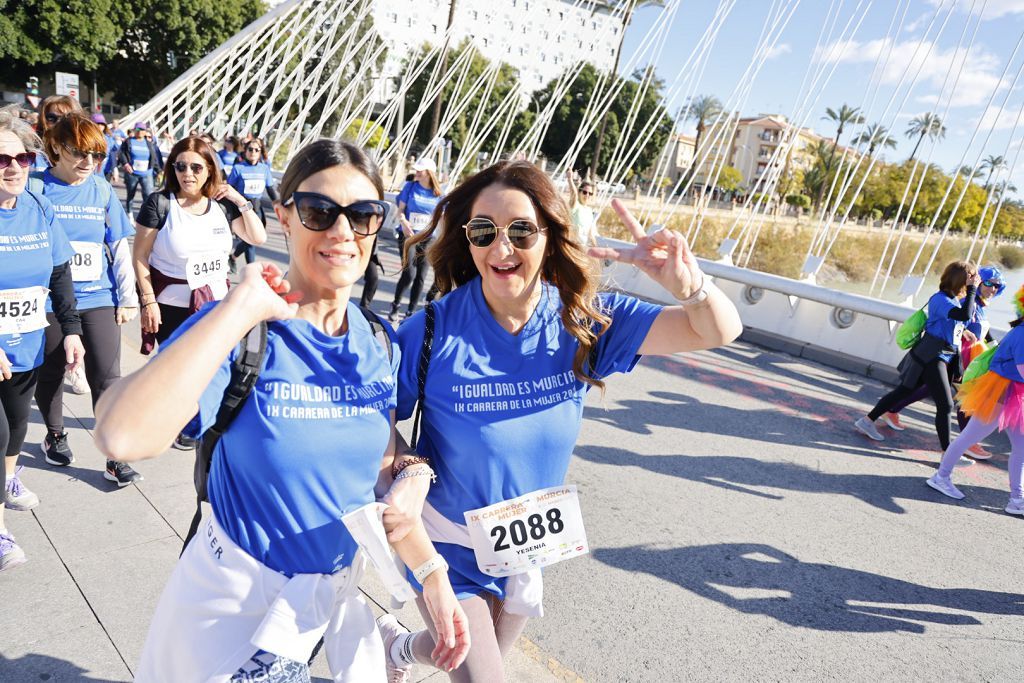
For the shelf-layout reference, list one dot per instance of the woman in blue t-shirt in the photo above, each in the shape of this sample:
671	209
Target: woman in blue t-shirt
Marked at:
936	356
104	280
251	176
278	564
416	203
519	337
34	258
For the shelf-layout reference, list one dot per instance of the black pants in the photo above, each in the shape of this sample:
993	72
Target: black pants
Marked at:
171	318
370	280
243	247
16	401
102	340
934	375
414	271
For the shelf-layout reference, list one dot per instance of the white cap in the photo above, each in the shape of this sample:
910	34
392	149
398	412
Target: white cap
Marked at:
425	164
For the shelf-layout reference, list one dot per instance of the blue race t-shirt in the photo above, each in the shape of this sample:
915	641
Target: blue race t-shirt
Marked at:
250	179
92	218
306	447
227	161
420	203
502	412
979	325
142	164
1009	354
940	325
32	244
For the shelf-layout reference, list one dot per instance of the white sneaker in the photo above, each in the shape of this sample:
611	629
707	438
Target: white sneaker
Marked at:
76	381
893	420
944	485
389	630
868	429
1015	506
16	496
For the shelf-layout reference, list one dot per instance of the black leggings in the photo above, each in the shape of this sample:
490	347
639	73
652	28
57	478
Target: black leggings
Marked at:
418	265
370	280
934	375
101	337
171	318
16	401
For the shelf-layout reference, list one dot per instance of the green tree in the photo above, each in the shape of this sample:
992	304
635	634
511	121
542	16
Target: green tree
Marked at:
58	34
925	125
729	179
991	164
701	110
876	135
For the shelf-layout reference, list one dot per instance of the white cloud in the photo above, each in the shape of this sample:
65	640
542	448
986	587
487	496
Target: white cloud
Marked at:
1004	120
993	9
980	72
778	51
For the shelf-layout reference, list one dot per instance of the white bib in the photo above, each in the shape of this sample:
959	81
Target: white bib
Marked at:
531	531
206	268
22	310
87	263
254	187
140	165
419	221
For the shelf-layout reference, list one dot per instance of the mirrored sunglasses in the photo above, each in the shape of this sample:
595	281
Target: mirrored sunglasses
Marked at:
318	212
181	167
481	232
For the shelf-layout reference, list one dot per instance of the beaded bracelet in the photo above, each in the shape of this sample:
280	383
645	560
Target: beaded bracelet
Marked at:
408	474
408	462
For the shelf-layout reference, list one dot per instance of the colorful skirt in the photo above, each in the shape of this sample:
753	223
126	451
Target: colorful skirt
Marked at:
992	397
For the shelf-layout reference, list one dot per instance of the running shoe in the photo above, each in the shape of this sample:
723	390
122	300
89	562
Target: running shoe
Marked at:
16	496
944	485
868	429
10	554
184	443
893	420
76	381
393	315
121	474
979	453
1014	507
964	461
56	450
389	630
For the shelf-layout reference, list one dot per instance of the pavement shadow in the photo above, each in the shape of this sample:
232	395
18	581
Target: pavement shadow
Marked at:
750	475
93	477
807	594
35	667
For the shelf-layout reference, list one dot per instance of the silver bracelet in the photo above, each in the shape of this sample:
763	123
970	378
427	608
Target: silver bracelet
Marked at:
409	472
697	297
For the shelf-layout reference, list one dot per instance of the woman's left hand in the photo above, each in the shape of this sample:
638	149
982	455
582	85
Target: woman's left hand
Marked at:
74	352
225	191
663	255
450	622
405	505
125	314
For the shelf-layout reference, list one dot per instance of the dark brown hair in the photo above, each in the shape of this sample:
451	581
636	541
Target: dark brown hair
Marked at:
327	153
201	147
955	276
74	130
565	265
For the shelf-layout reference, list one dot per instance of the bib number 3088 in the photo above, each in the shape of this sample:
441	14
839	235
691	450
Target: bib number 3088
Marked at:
535	530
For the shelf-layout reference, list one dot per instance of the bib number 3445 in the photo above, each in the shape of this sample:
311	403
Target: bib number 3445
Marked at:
535	530
205	269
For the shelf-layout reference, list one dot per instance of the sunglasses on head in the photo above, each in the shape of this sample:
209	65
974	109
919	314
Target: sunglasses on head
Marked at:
79	155
181	167
25	159
318	212
481	232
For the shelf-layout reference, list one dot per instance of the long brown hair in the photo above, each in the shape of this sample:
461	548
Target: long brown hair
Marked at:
565	265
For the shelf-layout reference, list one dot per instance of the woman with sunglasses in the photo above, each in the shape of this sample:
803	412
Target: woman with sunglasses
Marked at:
416	203
584	221
51	110
139	158
104	282
519	337
34	259
276	567
251	177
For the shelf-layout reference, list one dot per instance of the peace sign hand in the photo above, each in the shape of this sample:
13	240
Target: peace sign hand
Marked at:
663	255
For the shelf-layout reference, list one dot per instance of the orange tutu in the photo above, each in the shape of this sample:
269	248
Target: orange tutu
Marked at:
994	397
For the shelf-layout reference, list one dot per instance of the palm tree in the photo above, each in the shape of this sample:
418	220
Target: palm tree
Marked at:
992	163
876	135
702	109
927	124
846	115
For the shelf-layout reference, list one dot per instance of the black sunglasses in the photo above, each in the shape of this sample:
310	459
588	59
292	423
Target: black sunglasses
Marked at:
318	212
181	167
481	232
588	193
253	149
53	118
25	159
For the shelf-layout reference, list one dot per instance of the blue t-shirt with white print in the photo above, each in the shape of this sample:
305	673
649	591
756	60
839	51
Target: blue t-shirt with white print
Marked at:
420	203
142	164
227	161
502	412
251	180
92	217
32	244
307	446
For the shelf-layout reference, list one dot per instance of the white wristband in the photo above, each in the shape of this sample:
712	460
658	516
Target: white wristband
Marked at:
429	567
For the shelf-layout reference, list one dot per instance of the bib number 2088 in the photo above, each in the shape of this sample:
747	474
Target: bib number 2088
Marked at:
533	529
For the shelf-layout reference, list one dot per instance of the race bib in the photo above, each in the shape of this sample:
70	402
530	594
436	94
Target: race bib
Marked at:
419	221
206	269
140	165
254	187
87	263
535	530
22	310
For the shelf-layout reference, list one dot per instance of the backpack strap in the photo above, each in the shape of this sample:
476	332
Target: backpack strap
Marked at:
245	370
163	207
379	329
429	316
35	182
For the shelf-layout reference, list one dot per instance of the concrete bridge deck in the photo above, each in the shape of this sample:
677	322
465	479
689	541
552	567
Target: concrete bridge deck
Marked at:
740	530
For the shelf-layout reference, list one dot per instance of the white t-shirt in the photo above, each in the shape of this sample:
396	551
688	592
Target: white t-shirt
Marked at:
186	236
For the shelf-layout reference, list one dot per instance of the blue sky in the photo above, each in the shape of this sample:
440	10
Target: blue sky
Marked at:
777	87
